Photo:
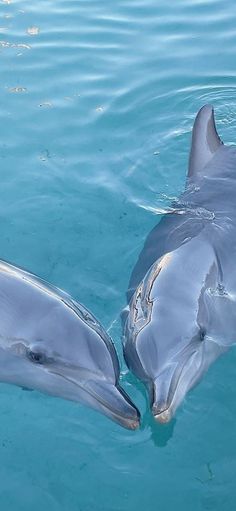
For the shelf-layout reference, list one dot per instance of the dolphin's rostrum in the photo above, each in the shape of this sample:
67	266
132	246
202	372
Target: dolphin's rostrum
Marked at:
51	343
182	292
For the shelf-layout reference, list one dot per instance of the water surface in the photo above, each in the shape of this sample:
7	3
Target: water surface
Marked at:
97	104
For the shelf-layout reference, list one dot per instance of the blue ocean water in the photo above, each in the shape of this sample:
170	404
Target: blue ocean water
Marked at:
97	101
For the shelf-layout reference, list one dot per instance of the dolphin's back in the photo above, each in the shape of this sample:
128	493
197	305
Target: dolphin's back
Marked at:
211	178
181	294
169	234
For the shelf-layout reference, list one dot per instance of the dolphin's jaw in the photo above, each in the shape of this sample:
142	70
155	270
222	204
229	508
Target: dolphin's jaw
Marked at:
129	421
105	397
115	403
181	381
164	413
131	424
162	417
74	384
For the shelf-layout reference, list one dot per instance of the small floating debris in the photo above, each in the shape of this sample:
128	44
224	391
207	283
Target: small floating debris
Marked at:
33	30
99	109
16	90
45	155
45	104
156	153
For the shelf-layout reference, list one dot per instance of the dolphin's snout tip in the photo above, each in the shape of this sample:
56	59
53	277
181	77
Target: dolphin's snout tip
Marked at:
115	403
131	423
134	424
161	416
162	394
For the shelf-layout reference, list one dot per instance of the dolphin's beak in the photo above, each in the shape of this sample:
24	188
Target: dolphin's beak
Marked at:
73	383
102	395
163	417
171	386
114	402
162	393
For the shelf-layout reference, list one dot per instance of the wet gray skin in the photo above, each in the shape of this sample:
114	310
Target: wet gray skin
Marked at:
182	292
51	343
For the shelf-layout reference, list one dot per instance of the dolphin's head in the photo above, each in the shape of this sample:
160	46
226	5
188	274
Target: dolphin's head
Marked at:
167	330
171	384
171	350
68	355
183	371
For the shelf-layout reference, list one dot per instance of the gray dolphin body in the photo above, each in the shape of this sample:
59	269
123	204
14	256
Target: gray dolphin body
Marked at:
53	344
182	292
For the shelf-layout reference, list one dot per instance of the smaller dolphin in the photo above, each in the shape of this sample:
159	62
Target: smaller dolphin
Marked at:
182	292
51	343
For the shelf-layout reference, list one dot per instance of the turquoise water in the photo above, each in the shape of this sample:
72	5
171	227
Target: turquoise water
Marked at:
97	104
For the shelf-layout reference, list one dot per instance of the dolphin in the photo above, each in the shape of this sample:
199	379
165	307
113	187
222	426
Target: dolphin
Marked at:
51	343
182	291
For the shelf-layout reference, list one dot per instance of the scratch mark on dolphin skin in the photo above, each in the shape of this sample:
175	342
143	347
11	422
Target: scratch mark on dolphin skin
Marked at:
140	316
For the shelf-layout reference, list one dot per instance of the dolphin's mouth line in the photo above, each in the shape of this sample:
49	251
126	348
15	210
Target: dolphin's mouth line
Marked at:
127	421
165	415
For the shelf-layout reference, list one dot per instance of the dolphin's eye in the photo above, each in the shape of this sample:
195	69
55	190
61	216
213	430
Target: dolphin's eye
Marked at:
36	356
202	334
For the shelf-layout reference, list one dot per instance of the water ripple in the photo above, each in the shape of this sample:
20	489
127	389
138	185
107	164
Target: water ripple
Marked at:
97	105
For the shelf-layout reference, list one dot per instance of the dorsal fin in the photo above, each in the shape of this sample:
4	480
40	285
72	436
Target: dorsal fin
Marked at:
205	140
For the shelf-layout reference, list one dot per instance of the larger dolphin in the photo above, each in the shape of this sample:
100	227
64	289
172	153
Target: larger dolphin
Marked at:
182	292
53	344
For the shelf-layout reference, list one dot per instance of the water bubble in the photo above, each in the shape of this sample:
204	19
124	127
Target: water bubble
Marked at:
218	291
33	30
46	104
205	214
16	90
6	44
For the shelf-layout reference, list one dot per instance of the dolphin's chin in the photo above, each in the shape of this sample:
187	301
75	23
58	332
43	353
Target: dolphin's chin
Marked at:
163	417
171	387
115	403
128	423
103	396
164	410
72	383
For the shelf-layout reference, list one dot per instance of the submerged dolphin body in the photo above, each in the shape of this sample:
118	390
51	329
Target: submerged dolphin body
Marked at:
53	344
182	292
